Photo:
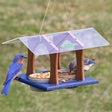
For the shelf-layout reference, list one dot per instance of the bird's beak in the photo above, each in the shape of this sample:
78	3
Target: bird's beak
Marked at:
25	57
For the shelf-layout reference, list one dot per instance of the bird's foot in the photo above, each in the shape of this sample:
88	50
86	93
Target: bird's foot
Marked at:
16	78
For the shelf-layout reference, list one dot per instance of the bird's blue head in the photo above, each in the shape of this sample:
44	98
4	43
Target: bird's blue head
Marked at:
19	56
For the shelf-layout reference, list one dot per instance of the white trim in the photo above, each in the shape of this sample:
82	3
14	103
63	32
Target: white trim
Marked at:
10	41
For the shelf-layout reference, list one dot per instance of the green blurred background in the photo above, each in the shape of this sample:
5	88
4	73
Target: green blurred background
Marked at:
23	18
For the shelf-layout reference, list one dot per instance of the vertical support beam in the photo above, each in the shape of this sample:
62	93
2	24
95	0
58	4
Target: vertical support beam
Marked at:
80	65
30	63
54	68
59	60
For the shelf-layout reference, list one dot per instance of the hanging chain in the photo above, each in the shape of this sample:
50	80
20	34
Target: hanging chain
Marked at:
44	17
68	15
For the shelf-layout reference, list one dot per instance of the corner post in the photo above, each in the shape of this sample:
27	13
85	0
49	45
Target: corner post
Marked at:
59	60
54	68
80	65
30	63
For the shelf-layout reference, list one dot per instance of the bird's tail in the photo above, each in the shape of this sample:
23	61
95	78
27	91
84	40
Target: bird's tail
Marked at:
6	88
93	63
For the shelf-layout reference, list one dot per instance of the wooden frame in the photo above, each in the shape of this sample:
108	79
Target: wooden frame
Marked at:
55	64
31	63
54	68
59	60
80	65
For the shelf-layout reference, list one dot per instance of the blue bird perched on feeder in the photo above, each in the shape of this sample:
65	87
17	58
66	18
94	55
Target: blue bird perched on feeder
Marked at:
13	71
88	63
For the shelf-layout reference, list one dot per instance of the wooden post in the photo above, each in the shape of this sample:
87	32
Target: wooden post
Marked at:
80	65
30	63
59	60
54	68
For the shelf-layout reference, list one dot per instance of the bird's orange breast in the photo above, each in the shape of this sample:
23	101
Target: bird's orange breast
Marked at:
20	61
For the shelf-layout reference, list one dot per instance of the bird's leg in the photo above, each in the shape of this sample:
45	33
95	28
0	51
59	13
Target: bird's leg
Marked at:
75	69
16	78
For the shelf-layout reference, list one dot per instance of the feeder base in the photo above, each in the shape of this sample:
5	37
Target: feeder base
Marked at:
49	87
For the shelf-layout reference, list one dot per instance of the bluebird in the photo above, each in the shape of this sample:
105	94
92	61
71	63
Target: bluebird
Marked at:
88	63
13	71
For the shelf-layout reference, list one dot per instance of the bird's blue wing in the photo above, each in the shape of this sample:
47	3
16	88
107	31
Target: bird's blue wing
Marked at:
93	63
13	70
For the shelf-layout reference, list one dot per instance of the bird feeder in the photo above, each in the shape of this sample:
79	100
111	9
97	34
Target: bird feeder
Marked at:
54	44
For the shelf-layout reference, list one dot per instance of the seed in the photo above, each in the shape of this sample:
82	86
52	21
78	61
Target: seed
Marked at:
63	80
